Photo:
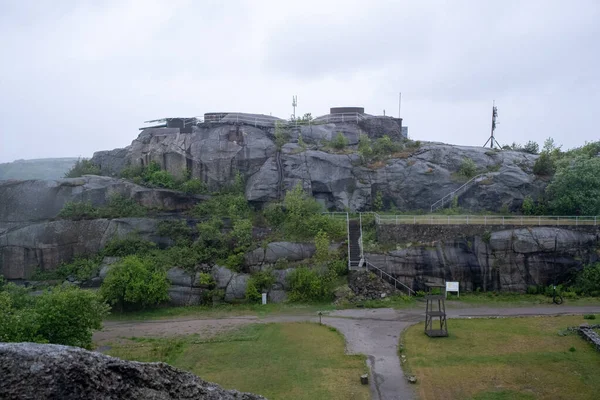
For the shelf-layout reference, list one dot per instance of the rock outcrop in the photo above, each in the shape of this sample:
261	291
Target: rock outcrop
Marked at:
47	371
504	260
46	245
412	179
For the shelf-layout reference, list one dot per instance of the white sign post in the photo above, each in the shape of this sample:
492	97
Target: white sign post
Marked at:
264	298
452	287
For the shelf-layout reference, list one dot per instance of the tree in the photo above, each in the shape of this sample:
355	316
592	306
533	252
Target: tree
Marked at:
575	189
135	282
531	147
83	167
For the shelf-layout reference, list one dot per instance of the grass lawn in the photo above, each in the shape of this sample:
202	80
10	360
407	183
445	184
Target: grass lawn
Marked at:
507	358
491	299
221	311
278	361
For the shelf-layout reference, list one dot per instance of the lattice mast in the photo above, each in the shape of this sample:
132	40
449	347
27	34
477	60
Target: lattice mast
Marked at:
492	140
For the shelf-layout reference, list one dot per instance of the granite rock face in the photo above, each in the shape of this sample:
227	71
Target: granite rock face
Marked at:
504	260
47	371
413	179
39	200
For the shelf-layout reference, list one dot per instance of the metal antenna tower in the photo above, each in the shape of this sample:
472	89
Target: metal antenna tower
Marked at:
491	140
294	104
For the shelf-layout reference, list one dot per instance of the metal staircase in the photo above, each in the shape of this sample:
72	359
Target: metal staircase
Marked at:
354	245
447	199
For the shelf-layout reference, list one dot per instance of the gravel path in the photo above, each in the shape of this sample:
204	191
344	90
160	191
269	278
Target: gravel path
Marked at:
373	332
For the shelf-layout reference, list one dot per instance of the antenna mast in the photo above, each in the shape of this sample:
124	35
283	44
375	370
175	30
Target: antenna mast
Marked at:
491	140
294	104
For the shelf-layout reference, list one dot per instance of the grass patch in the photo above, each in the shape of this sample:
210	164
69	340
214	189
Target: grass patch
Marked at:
278	361
508	358
222	311
516	299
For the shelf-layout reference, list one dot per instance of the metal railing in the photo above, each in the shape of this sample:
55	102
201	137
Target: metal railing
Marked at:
387	276
447	199
522	220
248	119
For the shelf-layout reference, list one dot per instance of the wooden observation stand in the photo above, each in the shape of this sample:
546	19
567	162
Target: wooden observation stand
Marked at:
436	308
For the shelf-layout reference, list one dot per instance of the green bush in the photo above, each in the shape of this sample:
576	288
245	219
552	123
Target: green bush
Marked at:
78	210
81	268
308	284
378	201
117	207
385	146
257	284
322	243
544	165
587	281
339	142
131	244
178	231
63	315
282	136
82	167
468	168
528	206
121	207
589	316
229	205
135	282
69	315
194	186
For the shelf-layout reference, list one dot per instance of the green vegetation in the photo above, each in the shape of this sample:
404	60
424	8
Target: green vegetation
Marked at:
135	282
300	217
574	176
117	207
83	167
305	361
503	358
468	168
339	142
282	135
575	189
63	315
257	284
154	176
530	147
587	281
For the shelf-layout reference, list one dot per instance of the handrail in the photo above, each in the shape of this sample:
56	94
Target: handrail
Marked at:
522	220
448	198
247	119
382	273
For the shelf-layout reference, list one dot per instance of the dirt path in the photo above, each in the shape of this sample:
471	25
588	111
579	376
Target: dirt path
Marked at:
373	332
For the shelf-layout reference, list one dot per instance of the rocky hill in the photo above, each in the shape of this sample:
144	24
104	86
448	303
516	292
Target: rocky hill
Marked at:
412	177
43	168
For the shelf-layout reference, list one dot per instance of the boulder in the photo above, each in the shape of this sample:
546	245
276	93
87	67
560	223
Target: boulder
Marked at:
48	371
236	289
180	277
222	276
277	250
277	296
186	295
106	265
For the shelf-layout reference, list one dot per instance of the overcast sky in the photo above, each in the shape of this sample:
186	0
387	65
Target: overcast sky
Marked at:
82	76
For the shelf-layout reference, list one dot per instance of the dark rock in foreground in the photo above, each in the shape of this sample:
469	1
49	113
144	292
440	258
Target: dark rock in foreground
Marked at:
46	371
